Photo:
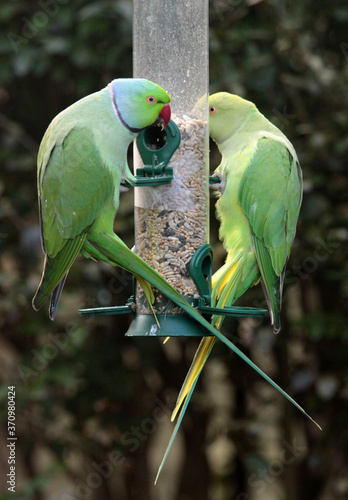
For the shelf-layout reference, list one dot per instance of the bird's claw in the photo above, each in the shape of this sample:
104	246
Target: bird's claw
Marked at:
220	186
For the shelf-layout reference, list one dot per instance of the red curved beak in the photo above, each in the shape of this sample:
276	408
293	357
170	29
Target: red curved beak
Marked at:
164	115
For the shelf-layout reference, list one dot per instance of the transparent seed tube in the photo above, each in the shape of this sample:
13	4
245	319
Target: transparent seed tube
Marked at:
171	48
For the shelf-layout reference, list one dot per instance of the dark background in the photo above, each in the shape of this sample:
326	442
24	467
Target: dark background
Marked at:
93	406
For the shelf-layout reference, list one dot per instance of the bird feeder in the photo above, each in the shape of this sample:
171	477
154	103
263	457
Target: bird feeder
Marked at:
171	220
170	47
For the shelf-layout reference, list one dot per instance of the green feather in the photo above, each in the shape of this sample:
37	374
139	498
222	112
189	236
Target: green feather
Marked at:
56	268
74	187
271	282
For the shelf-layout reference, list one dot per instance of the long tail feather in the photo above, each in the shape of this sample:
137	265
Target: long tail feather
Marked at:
175	431
187	398
225	291
92	252
223	295
197	364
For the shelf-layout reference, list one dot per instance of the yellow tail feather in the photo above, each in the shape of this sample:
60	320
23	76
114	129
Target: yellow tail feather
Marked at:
149	295
201	355
224	277
224	281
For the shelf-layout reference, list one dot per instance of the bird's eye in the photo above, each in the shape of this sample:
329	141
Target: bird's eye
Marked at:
212	110
151	99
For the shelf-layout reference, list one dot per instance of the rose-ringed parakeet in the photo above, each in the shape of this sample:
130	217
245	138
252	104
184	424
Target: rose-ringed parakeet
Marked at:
81	162
261	194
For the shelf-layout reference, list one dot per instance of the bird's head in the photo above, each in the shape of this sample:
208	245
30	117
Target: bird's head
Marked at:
140	103
227	112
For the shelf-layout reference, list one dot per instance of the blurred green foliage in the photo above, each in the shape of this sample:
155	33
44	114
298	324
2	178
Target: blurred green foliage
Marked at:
82	389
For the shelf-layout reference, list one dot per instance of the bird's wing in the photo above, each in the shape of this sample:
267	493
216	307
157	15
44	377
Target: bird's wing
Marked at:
270	194
74	184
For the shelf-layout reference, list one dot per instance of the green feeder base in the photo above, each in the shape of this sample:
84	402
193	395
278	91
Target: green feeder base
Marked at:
172	325
180	325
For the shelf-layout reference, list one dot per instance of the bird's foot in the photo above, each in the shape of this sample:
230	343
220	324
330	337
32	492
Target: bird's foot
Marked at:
220	186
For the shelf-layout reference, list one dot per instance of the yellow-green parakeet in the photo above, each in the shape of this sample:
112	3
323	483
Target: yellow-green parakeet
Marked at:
261	195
